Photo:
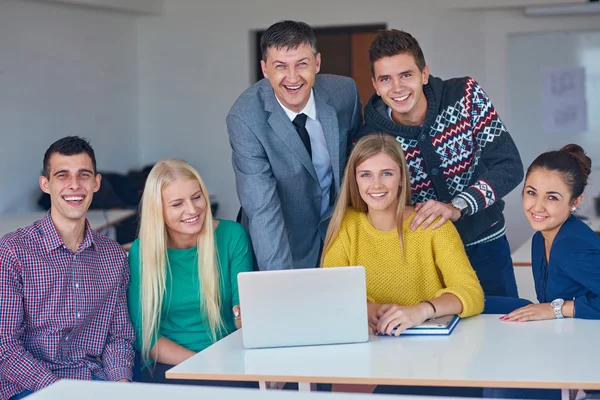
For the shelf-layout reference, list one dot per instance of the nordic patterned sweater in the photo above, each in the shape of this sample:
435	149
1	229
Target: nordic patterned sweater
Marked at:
462	149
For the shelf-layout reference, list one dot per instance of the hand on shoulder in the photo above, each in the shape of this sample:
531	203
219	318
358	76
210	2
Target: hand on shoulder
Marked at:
431	210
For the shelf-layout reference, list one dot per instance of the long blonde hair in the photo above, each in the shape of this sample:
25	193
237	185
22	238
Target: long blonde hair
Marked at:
365	148
154	259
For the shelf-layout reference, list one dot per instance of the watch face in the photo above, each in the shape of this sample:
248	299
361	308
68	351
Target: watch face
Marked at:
557	303
459	203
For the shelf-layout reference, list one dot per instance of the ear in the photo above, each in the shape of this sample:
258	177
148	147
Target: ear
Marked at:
426	74
44	184
577	202
98	179
375	86
263	67
318	63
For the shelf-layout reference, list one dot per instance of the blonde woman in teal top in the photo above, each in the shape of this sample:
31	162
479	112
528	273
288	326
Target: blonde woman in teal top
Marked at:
183	293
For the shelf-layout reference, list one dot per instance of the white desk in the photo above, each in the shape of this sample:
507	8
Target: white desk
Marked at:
94	390
481	352
522	256
99	219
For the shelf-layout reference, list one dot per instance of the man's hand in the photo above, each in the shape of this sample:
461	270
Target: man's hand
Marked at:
428	212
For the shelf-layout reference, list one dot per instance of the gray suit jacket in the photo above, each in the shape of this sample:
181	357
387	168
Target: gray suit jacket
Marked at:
276	181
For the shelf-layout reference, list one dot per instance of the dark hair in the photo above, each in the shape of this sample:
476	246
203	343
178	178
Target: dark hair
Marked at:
392	42
289	35
68	146
571	162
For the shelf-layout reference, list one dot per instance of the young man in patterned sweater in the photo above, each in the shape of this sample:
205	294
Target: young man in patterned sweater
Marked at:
461	159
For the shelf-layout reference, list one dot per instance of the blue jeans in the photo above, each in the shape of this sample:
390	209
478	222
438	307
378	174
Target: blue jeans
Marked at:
494	268
27	392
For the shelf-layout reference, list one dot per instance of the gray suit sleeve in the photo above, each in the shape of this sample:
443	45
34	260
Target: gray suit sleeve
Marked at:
357	120
257	192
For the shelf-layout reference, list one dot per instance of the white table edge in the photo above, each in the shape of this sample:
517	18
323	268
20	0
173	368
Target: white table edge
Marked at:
385	381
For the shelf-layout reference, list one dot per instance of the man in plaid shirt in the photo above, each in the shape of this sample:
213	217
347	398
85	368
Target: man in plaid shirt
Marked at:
63	306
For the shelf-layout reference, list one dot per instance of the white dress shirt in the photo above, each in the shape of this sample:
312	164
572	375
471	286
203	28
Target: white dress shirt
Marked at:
320	155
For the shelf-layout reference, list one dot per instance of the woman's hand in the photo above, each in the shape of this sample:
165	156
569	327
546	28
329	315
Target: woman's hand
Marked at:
392	316
531	312
372	309
237	316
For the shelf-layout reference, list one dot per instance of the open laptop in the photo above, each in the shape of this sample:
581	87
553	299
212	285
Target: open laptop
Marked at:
300	307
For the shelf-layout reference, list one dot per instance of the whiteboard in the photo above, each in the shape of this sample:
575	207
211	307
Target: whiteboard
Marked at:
529	56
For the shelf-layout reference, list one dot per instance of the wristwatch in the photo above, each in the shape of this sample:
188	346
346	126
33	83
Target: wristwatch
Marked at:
461	205
557	305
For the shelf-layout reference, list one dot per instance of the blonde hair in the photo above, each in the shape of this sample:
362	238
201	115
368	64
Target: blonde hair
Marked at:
154	259
365	148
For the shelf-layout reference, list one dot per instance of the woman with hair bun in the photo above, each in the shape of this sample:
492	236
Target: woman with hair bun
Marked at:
565	252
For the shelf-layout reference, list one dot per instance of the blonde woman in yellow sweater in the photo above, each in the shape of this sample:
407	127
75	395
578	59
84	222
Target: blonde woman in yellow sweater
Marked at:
412	276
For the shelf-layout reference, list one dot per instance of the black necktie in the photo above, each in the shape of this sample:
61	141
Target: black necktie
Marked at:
300	124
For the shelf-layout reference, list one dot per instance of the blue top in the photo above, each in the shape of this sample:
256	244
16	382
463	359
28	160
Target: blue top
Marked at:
574	270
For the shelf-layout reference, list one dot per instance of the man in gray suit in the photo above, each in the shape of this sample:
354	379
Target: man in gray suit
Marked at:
290	134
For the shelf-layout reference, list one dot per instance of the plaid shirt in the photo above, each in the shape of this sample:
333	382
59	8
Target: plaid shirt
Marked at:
62	312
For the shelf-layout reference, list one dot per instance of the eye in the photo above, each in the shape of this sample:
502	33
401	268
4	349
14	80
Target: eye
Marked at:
279	66
384	79
85	175
387	173
364	175
175	205
552	198
198	197
406	75
530	192
302	64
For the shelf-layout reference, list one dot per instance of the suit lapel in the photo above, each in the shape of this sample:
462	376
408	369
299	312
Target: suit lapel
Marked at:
328	117
283	127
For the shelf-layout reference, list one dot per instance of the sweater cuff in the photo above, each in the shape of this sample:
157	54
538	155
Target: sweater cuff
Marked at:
478	196
471	305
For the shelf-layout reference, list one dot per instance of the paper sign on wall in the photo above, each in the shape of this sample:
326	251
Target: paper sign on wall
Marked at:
564	108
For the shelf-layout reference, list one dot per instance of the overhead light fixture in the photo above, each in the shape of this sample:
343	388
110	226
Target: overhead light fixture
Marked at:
564	9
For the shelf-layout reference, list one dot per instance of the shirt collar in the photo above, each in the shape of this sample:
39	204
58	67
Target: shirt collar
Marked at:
309	109
52	240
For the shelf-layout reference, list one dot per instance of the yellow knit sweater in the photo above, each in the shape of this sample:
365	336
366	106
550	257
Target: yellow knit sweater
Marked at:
435	263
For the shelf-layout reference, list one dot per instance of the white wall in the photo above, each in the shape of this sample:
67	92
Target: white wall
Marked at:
63	71
130	6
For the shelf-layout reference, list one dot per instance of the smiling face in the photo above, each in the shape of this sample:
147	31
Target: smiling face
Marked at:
399	82
184	209
291	73
547	200
71	185
378	179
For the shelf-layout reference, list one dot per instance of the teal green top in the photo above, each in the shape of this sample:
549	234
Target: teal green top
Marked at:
182	319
